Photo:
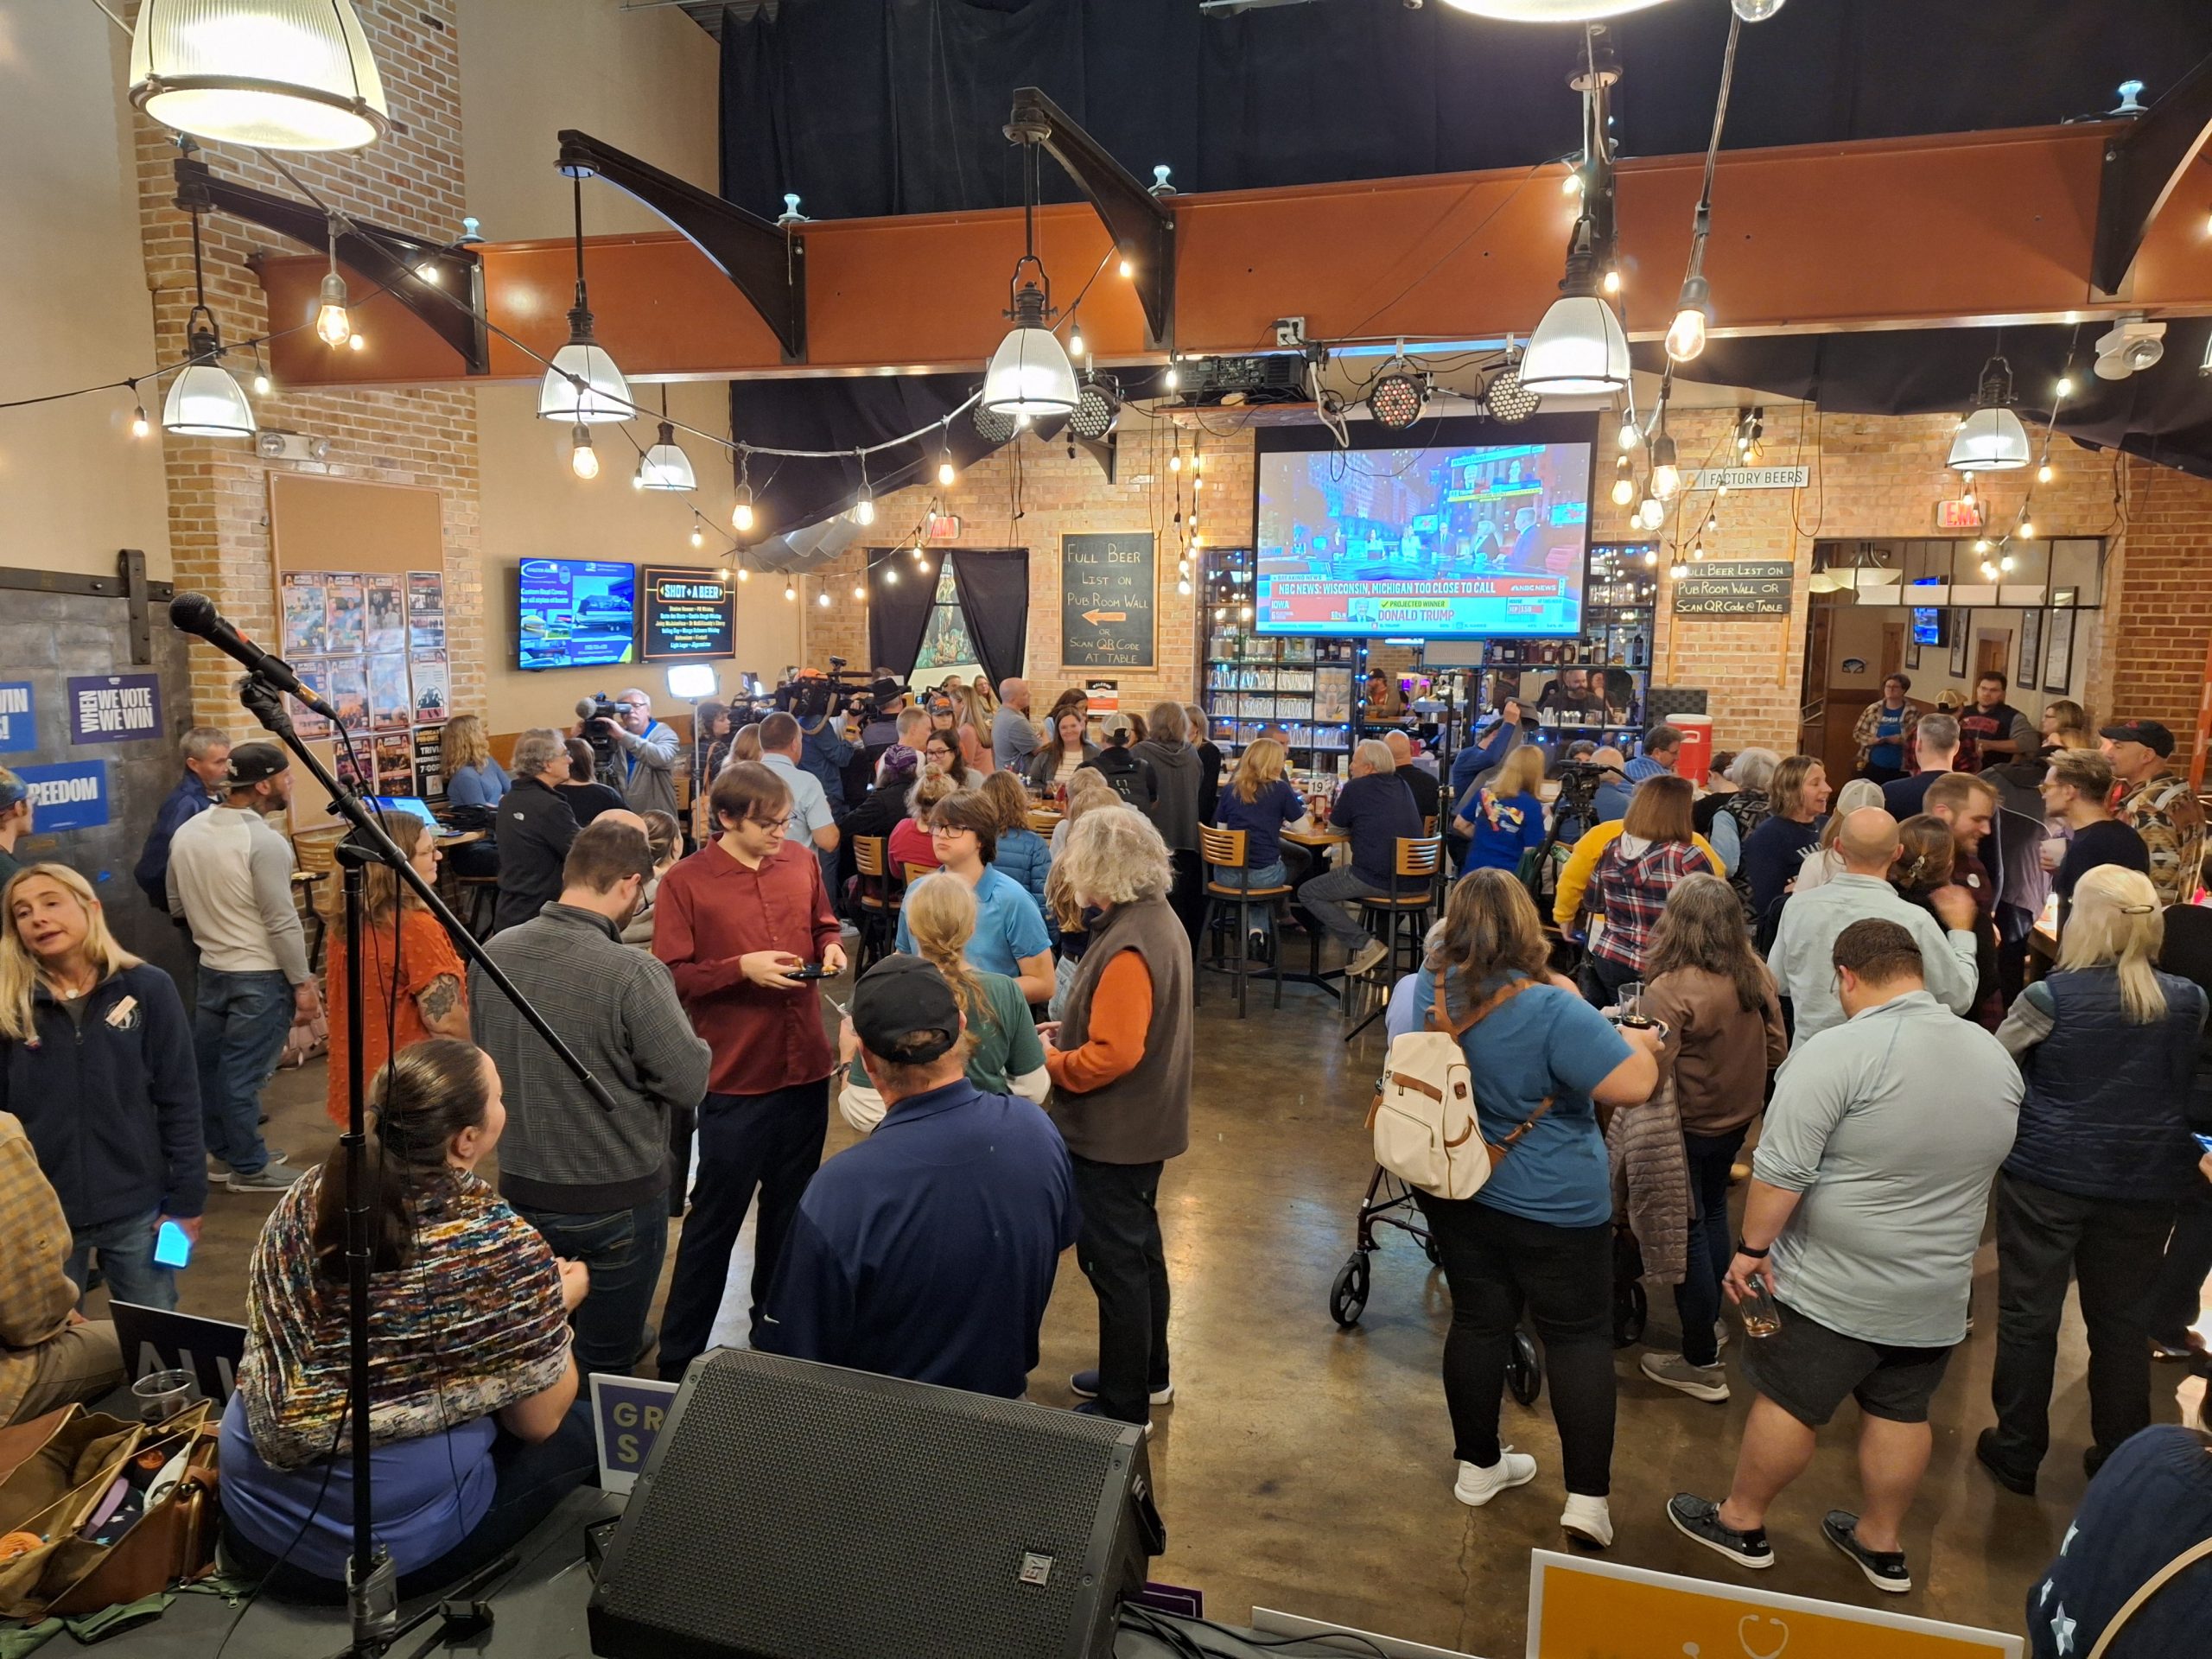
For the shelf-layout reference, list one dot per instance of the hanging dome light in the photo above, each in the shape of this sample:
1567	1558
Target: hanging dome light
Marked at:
204	401
1991	439
1030	377
275	74
665	467
1553	12
1579	349
581	384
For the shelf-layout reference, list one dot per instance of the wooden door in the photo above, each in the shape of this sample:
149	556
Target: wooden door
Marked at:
1812	714
1991	652
1892	648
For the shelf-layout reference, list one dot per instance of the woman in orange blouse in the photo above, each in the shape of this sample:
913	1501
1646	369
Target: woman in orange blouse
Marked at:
418	990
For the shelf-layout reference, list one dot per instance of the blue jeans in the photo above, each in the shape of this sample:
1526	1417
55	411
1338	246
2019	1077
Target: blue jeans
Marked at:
239	1030
1712	1245
125	1249
1260	918
1324	895
623	1249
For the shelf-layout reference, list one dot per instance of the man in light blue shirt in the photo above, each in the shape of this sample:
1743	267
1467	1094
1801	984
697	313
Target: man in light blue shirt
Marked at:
812	821
1812	921
1663	748
1869	1187
1014	738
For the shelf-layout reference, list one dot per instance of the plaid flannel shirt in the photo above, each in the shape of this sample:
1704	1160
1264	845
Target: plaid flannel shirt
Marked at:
2166	815
1632	891
35	1294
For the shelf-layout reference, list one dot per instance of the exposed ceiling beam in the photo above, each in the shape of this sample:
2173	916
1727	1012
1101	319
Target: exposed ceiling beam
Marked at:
1973	229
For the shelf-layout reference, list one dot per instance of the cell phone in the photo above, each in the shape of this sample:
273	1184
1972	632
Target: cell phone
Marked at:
2204	1141
810	971
172	1246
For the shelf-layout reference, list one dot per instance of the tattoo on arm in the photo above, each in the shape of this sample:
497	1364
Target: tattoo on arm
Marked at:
439	1000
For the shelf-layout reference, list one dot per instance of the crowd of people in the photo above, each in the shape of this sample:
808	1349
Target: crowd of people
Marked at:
1846	974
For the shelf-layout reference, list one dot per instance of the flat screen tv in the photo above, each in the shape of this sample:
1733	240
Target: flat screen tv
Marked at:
1454	530
575	613
1928	627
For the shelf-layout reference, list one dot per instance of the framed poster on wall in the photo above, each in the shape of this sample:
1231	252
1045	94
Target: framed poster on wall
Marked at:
2058	652
2031	647
1959	633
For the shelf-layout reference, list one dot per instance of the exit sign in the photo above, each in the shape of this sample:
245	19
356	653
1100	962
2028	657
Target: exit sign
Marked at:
945	527
1960	514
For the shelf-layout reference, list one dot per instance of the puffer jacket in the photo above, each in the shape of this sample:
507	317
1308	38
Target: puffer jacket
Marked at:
1651	1183
2104	1115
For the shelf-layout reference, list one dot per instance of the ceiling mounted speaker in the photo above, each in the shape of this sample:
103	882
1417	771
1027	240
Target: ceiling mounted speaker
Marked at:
1507	399
1096	410
993	427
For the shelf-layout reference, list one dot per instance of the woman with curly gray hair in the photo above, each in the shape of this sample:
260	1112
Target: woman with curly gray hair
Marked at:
1120	1060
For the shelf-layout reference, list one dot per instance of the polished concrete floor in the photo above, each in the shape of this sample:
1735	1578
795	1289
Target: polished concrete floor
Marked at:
1308	1468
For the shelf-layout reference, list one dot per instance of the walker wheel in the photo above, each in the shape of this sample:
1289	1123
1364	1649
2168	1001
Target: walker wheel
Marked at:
1524	1371
1348	1296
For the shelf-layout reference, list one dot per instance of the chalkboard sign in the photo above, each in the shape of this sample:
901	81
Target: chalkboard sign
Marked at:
1736	587
688	613
1106	591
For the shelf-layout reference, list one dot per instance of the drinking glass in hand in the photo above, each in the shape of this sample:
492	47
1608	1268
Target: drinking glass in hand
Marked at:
1628	1000
1757	1310
159	1395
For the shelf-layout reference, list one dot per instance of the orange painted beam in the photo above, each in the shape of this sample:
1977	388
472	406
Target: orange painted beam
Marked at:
1960	229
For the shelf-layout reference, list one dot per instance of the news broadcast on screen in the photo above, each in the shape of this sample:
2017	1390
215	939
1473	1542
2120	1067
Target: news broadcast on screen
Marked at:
1476	531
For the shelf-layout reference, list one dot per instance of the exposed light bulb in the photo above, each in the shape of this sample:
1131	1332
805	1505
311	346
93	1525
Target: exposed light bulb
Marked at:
332	321
923	565
261	387
1613	281
1651	555
891	577
1982	545
917	554
1183	587
1698	552
140	426
2027	530
2065	386
584	459
2004	563
945	475
823	598
638	477
1666	480
864	512
1128	270
1623	490
1652	512
790	592
1170	379
2044	474
1686	338
1075	347
859	592
1175	462
743	574
698	538
1244	613
1572	184
1630	434
358	343
723	574
741	516
427	272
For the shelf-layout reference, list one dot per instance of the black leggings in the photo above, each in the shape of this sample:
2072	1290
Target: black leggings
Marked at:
1496	1265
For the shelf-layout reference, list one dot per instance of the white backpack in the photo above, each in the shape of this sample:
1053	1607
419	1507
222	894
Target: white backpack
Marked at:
1426	1129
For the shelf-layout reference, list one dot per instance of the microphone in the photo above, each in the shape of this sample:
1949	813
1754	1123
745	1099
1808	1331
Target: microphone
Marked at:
587	709
195	614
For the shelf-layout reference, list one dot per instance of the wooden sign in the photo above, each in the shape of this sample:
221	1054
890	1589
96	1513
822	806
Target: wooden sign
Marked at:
1578	1607
1106	599
1750	478
1736	587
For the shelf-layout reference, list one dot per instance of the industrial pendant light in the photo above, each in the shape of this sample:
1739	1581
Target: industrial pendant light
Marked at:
1030	376
276	74
1579	349
204	401
1552	11
583	384
665	467
334	323
1991	439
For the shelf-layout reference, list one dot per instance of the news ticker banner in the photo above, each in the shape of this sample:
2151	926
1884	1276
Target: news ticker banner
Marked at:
1516	604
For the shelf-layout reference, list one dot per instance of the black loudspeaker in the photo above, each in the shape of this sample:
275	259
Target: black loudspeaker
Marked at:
791	1510
1663	700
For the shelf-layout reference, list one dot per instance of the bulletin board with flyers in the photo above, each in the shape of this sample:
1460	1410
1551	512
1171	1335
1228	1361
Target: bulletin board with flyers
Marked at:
361	617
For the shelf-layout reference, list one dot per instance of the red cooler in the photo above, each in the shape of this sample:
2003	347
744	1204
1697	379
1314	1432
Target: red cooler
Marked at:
1697	746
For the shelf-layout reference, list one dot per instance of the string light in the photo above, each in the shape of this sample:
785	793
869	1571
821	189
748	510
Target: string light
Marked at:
2044	474
1075	347
1175	462
1613	280
358	343
891	577
2065	387
140	426
859	592
1630	434
790	592
1128	270
699	536
2027	530
584	459
743	574
823	598
332	323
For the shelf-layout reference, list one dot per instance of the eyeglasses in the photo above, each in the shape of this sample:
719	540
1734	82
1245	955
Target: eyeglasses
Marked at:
784	823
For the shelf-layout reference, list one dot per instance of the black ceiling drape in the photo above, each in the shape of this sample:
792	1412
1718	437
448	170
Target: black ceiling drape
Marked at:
994	589
895	107
897	616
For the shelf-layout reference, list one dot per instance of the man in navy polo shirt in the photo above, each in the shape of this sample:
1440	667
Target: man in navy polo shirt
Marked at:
928	1250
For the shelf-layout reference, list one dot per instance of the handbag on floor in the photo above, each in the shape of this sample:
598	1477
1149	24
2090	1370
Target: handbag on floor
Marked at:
1424	1121
96	1511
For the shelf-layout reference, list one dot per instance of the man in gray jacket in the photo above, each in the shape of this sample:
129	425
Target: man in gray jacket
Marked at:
645	767
1174	813
1869	1188
594	1182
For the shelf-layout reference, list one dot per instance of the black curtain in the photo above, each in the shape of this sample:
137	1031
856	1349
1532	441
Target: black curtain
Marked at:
897	616
895	107
994	589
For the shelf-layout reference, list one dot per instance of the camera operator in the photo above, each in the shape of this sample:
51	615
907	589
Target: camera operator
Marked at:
825	750
646	769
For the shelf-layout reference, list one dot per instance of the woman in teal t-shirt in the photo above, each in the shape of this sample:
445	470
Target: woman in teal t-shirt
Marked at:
1539	1235
1005	1056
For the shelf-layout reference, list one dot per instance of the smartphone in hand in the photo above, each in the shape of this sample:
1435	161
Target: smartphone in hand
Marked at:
172	1246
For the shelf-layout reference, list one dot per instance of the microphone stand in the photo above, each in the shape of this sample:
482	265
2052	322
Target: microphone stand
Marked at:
372	1581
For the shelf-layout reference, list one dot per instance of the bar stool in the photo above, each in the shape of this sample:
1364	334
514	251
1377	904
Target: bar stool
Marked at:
1233	902
880	898
1404	910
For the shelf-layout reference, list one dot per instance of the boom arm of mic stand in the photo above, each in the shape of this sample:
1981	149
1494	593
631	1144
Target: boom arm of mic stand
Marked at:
266	704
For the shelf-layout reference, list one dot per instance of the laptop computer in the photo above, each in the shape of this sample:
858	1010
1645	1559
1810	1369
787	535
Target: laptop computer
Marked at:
408	805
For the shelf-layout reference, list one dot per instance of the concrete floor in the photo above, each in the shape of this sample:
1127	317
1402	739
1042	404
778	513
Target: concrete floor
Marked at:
1308	1468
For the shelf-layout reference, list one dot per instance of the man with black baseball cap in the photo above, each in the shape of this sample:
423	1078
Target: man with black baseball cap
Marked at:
928	1250
2160	807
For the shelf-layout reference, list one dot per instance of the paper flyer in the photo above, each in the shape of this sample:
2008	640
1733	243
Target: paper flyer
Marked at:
427	670
387	614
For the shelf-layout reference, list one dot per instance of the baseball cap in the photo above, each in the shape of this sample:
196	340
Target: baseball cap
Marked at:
904	1011
2150	734
254	763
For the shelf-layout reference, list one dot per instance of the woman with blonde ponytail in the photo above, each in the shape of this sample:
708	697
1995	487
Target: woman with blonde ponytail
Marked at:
1004	1054
2107	1045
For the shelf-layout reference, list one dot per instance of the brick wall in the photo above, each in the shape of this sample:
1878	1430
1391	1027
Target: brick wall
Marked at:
2156	639
218	490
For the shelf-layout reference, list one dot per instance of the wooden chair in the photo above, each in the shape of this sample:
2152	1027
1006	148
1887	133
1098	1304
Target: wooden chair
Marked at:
315	852
878	895
1403	913
1232	901
480	903
910	873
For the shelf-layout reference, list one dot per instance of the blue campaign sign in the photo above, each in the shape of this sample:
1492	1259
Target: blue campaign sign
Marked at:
626	1415
70	795
114	708
18	729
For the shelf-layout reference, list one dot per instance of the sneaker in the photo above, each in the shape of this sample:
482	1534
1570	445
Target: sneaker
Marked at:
272	1177
1587	1522
1477	1486
1698	1519
1884	1569
1092	1408
2012	1480
1366	958
1721	1336
1699	1381
1085	1384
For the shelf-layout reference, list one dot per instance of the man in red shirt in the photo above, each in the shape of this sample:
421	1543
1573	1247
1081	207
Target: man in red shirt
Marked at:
734	923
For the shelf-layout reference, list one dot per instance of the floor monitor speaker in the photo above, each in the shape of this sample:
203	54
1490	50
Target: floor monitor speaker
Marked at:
791	1510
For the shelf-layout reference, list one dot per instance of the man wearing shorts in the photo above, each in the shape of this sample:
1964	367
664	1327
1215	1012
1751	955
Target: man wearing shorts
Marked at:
1870	1187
